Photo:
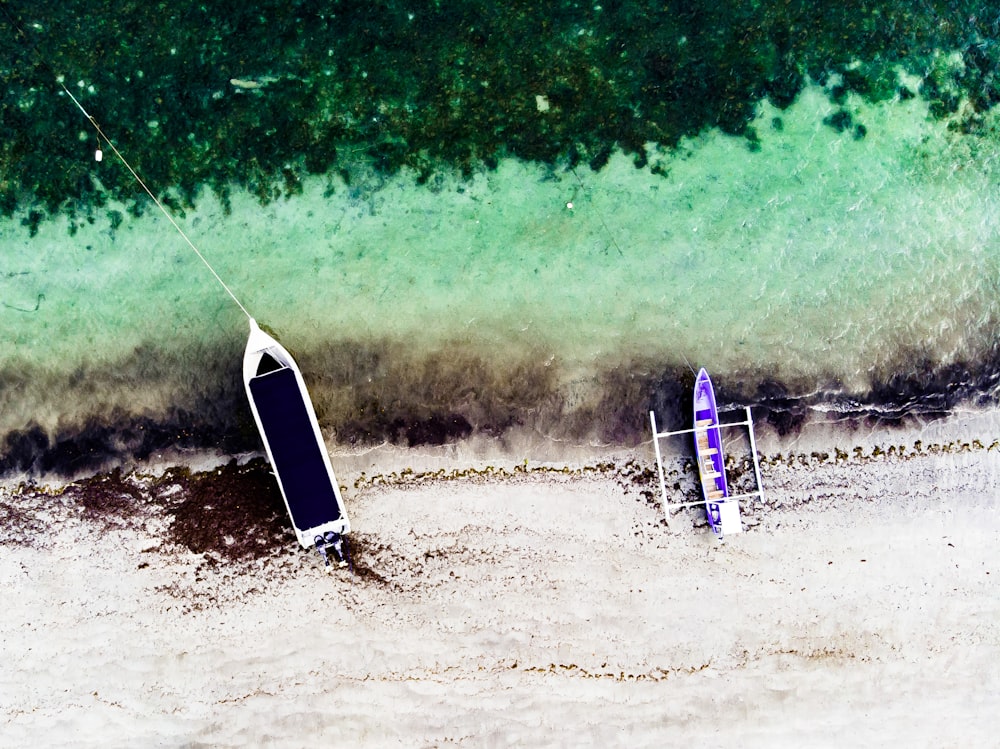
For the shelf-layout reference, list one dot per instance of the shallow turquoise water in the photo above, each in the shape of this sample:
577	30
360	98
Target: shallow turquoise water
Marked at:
458	235
563	300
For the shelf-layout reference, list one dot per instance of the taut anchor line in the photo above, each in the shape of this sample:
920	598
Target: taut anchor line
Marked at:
98	155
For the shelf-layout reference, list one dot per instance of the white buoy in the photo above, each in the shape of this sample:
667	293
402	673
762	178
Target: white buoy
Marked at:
98	155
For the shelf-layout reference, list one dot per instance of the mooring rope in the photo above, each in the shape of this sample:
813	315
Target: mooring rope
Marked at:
600	215
100	134
106	139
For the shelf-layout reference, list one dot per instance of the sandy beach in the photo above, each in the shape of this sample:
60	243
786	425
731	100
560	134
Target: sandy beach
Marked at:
495	240
536	608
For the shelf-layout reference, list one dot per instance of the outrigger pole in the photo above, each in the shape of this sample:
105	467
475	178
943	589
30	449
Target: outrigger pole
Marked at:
668	506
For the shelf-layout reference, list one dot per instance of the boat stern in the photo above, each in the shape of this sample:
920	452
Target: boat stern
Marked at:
725	517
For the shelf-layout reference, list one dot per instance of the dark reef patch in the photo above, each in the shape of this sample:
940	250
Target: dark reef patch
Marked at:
399	394
98	425
629	392
379	392
276	90
100	441
376	392
782	410
916	387
917	383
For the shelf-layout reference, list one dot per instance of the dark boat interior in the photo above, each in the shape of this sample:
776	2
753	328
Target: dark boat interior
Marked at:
296	453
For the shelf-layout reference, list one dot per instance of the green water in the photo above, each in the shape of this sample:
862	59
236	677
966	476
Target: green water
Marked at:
820	260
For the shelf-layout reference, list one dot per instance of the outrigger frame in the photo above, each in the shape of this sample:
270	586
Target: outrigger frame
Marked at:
657	436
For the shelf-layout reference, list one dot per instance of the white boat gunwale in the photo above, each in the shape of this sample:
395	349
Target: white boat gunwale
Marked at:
260	344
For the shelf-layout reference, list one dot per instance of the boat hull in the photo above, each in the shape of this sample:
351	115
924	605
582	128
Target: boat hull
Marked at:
708	449
288	427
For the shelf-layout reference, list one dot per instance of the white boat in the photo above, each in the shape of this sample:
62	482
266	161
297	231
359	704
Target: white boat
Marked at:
287	423
282	409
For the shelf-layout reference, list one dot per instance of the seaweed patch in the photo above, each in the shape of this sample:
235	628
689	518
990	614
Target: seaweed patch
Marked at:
234	513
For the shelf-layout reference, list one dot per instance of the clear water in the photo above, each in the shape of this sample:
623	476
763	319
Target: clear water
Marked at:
553	299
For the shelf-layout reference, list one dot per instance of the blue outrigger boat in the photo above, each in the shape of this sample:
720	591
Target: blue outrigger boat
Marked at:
711	462
722	509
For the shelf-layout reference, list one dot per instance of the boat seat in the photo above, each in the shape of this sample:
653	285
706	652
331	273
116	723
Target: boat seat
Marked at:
729	518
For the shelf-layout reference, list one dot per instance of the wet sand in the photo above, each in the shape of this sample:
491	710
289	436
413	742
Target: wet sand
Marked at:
535	608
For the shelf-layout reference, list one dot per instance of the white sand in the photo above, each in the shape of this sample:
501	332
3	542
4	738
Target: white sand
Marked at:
861	609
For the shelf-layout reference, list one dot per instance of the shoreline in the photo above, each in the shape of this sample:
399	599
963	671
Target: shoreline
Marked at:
819	439
213	487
